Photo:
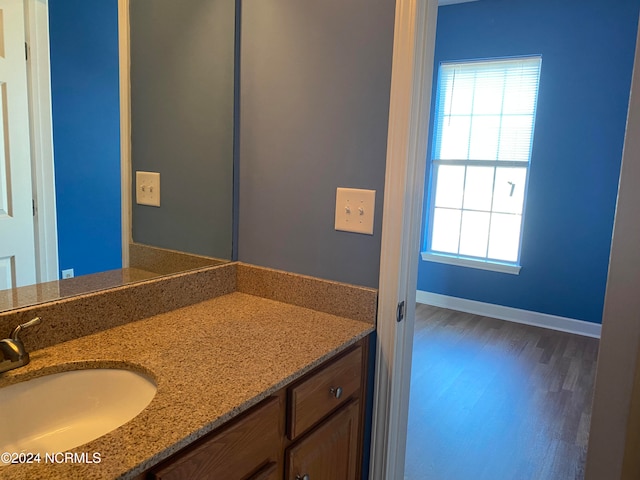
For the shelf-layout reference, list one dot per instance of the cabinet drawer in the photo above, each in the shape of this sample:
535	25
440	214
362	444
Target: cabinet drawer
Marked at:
249	448
324	391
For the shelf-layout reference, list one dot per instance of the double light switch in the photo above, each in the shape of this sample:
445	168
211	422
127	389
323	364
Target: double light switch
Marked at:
148	188
354	210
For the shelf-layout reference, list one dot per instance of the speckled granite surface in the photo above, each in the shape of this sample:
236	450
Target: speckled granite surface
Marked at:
216	340
146	263
86	314
164	261
211	361
349	301
51	291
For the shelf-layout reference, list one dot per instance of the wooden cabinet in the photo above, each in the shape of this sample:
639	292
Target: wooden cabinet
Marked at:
248	448
320	393
330	451
268	472
323	413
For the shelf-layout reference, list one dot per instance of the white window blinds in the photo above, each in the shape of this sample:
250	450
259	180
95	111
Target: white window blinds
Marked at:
486	110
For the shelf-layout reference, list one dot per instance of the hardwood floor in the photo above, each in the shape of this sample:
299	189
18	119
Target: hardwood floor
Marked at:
497	400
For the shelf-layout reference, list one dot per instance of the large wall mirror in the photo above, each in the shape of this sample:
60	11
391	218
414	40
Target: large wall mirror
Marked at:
178	70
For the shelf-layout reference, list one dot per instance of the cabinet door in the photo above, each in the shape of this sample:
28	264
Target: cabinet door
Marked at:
248	449
330	452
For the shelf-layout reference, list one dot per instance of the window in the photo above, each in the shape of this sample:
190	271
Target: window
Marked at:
483	132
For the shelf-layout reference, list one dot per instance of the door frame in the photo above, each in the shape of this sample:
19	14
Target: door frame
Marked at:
614	434
411	78
41	137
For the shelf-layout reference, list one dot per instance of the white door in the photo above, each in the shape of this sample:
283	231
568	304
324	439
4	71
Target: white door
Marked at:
17	249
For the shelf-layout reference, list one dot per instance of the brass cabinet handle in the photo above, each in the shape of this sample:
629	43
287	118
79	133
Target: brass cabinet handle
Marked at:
336	392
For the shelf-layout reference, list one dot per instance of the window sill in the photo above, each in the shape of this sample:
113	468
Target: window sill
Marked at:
467	262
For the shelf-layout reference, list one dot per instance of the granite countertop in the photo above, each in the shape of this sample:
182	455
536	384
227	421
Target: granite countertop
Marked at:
210	361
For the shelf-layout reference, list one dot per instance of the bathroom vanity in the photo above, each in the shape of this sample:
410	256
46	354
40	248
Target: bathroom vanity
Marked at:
310	429
260	374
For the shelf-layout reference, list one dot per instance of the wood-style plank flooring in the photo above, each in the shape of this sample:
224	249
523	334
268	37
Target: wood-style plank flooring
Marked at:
496	400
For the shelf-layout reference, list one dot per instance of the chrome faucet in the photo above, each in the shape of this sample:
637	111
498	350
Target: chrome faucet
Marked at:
12	349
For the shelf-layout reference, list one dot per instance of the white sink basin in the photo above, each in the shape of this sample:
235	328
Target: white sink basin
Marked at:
62	411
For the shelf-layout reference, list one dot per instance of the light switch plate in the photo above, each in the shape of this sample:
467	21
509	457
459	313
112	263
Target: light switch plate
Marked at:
148	188
354	210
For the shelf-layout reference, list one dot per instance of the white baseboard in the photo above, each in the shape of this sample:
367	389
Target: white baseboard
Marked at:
544	320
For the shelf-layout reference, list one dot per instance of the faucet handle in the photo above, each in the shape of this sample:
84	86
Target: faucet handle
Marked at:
19	328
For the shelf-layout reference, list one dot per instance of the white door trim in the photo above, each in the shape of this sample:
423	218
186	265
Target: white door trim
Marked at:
411	76
615	419
125	125
40	119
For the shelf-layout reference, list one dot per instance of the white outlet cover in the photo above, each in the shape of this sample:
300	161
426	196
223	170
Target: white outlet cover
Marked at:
355	210
68	273
148	188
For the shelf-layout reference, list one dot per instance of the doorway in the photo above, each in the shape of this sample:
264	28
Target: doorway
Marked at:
393	349
590	53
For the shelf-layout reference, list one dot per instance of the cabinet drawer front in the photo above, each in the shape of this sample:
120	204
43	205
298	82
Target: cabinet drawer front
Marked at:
322	392
328	452
238	451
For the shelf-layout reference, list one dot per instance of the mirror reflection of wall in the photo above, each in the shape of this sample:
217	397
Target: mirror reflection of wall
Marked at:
182	104
85	103
183	126
182	57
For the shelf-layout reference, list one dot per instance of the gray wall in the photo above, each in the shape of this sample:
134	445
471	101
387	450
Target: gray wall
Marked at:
314	96
182	92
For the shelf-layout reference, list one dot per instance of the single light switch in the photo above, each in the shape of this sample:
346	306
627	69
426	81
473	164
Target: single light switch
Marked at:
148	188
354	210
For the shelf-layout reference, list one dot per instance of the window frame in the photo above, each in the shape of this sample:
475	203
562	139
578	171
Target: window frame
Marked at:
484	263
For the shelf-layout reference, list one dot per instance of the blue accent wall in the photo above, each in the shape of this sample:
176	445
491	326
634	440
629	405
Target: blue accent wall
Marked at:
86	133
587	50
